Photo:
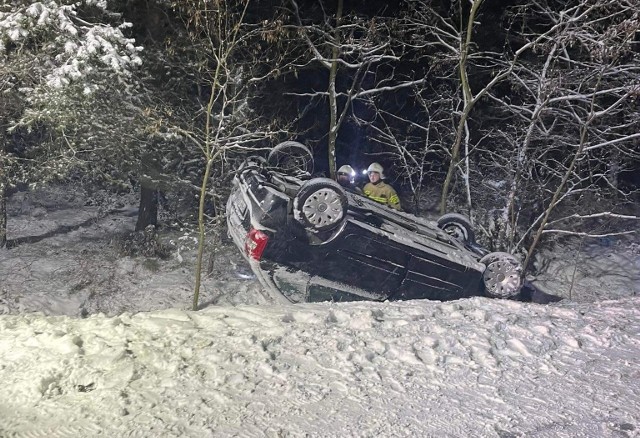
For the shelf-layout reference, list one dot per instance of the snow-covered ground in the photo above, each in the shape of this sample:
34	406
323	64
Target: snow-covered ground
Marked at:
95	343
475	367
76	264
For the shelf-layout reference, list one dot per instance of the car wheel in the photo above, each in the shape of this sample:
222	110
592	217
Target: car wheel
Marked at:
457	226
291	156
502	276
320	204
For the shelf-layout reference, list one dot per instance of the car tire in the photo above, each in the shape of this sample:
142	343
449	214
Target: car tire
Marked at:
291	156
457	226
502	276
320	205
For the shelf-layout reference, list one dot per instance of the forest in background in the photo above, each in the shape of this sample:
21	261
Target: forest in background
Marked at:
524	115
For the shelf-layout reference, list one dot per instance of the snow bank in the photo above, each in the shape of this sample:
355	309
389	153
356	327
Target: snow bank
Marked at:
475	367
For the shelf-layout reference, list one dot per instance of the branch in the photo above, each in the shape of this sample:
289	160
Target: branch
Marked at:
577	233
610	142
390	88
595	215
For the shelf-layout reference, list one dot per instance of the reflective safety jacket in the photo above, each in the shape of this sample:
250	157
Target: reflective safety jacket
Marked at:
382	193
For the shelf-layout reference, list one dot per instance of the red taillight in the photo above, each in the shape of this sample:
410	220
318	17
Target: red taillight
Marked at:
255	243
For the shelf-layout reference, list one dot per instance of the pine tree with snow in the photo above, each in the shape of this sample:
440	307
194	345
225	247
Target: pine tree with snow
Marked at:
62	63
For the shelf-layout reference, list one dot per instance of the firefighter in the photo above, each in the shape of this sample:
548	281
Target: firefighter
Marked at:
380	191
345	177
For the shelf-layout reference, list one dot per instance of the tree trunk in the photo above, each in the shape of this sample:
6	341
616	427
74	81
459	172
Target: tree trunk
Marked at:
455	158
3	199
201	232
148	211
468	102
3	214
556	196
333	98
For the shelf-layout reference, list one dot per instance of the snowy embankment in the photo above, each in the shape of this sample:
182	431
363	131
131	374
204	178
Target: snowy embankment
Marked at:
475	367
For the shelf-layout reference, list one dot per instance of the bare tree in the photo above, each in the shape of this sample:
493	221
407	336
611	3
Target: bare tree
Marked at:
451	37
574	114
413	140
231	43
359	50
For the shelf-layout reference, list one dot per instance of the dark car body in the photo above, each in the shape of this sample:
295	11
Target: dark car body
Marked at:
371	253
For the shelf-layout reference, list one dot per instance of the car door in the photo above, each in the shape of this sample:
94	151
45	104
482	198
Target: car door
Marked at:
364	259
435	277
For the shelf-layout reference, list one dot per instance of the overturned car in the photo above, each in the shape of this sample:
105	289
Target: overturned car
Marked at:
308	239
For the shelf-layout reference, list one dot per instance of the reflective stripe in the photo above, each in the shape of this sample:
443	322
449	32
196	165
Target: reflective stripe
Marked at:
383	194
375	198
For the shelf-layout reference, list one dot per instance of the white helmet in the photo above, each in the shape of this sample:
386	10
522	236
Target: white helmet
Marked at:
346	169
376	167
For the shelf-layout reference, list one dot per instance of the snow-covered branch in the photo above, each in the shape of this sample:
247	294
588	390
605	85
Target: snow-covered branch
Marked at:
51	37
606	214
585	234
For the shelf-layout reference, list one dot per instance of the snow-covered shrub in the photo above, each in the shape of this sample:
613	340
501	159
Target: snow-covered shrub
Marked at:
67	70
52	39
142	243
60	61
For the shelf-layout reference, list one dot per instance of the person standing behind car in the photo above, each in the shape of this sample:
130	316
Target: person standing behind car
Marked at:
344	177
378	190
